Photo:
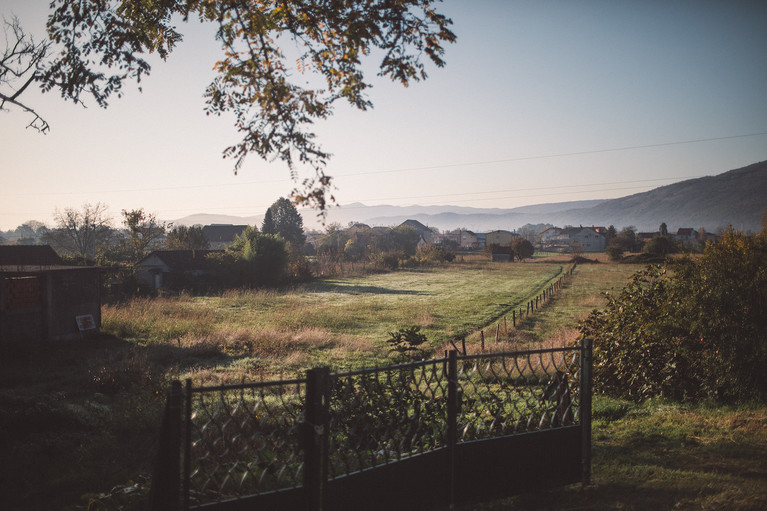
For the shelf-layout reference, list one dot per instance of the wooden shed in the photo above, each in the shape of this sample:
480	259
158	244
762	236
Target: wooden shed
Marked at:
46	302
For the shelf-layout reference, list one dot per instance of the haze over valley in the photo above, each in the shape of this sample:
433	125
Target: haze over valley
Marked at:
736	197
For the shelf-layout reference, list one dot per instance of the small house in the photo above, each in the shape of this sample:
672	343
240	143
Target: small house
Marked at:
155	268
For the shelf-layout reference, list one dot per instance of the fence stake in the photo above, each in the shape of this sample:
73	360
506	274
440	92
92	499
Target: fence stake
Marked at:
164	494
585	412
316	437
514	318
452	423
187	440
482	340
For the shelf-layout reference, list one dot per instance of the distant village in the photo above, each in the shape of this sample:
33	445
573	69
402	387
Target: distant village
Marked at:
46	284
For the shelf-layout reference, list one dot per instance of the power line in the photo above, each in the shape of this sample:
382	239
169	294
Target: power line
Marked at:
406	169
557	155
515	190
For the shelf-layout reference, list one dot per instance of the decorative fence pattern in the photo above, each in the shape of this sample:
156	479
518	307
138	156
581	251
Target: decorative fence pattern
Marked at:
418	435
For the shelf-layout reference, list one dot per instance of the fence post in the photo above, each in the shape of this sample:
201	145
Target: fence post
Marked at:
452	422
187	441
585	412
316	436
166	481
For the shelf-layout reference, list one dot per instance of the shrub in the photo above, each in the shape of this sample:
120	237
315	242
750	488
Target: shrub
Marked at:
614	252
386	260
406	343
432	254
688	329
660	245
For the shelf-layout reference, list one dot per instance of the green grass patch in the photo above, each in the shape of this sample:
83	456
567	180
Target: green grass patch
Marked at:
661	455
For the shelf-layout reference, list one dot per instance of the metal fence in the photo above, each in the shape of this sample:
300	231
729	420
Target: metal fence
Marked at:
419	435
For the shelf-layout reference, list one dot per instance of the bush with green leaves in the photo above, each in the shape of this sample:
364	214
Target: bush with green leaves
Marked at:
253	259
688	329
660	245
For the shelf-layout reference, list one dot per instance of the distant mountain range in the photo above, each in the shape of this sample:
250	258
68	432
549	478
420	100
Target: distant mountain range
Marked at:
737	197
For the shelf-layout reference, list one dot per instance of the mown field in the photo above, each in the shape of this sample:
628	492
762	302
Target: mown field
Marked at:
78	422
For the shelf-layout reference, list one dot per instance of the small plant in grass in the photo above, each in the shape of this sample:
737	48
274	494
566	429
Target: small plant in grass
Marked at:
406	342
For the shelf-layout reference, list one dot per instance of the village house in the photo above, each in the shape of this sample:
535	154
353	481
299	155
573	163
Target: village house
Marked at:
469	240
572	239
585	239
686	234
421	229
155	269
500	237
550	236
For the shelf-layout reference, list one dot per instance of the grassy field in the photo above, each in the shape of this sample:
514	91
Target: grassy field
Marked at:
78	419
346	321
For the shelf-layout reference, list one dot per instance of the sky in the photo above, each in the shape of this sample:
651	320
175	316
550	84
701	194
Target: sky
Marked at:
539	102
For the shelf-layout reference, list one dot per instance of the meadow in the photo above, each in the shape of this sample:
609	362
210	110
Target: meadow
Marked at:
79	422
345	322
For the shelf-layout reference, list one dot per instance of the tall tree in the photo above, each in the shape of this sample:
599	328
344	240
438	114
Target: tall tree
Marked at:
663	229
99	45
182	237
287	222
145	231
267	226
84	230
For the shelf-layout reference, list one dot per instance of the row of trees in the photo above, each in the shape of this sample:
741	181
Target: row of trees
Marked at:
661	244
88	235
376	248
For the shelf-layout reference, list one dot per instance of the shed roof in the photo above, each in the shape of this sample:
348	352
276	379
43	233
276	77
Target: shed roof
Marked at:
29	255
222	232
182	260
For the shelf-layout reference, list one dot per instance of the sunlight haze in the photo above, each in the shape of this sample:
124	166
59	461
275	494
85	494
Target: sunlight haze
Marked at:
539	102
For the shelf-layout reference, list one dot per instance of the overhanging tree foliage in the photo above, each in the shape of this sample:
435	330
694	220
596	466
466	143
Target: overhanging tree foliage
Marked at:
98	45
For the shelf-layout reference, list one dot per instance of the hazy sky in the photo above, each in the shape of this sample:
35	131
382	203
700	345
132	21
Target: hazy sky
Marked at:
539	102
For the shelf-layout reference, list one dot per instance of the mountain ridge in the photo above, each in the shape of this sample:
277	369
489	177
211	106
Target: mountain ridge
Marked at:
736	197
